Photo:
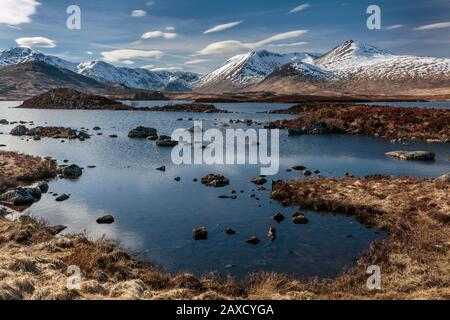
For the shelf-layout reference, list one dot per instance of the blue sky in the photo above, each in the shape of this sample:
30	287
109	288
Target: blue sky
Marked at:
170	34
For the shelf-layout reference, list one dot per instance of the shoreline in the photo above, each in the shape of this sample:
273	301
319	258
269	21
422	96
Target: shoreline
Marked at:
34	264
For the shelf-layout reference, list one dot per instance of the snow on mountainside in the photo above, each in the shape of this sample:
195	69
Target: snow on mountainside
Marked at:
248	68
105	72
355	60
21	55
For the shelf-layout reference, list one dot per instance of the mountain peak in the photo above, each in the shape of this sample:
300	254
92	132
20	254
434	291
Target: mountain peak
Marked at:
351	49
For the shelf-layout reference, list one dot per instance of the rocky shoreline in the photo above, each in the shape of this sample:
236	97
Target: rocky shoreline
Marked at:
431	125
415	213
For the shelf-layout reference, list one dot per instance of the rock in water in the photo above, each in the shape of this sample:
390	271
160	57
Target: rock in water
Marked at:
299	218
166	141
215	180
200	233
272	234
72	171
108	219
253	240
278	217
230	231
259	181
19	130
412	155
62	197
142	133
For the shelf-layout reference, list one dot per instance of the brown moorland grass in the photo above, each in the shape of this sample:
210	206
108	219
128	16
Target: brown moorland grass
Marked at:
383	121
18	168
414	261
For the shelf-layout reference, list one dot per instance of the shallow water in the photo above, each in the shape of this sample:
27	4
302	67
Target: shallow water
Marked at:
155	214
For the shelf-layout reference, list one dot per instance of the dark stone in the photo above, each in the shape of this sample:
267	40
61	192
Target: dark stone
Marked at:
259	181
20	130
200	233
299	218
162	168
108	219
278	217
62	197
230	231
215	180
299	168
142	133
72	171
253	240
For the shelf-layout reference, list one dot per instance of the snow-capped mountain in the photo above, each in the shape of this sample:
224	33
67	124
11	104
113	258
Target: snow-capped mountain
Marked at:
104	72
356	60
21	55
357	67
246	69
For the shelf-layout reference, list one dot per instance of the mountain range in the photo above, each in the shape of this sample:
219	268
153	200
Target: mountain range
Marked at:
350	68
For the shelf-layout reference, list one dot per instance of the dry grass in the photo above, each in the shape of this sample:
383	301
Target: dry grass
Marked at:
19	168
414	261
383	121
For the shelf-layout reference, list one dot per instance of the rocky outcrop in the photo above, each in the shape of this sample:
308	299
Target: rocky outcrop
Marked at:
143	133
166	141
72	171
200	233
412	155
65	98
108	219
215	180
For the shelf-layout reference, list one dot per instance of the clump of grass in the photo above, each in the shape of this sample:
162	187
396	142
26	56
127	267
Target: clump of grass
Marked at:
384	121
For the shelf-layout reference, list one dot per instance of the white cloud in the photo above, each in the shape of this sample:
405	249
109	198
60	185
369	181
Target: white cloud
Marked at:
393	27
15	12
300	8
149	3
127	54
221	27
433	26
138	13
40	42
159	34
170	28
89	53
235	45
128	62
196	61
166	69
294	44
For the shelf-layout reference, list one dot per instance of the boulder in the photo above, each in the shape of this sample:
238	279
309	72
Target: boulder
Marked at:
200	233
298	168
230	231
253	240
142	133
412	155
21	196
4	122
278	217
166	141
19	130
43	186
259	181
272	234
108	219
162	168
62	197
299	218
295	131
215	180
72	171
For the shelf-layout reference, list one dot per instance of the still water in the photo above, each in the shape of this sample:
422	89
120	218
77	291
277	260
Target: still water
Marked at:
155	214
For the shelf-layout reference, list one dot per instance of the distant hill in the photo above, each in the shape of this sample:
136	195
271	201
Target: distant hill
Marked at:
31	78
